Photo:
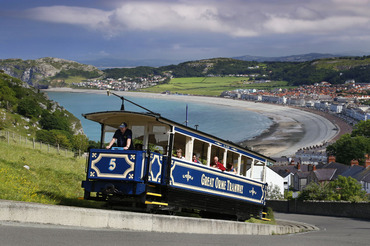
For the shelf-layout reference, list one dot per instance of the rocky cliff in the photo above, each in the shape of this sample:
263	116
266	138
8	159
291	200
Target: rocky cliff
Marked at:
44	69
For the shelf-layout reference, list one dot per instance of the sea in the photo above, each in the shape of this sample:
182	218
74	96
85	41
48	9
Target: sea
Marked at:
226	122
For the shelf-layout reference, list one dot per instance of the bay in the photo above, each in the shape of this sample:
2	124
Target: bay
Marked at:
225	122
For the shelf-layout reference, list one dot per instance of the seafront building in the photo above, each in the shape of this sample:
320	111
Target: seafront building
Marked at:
342	100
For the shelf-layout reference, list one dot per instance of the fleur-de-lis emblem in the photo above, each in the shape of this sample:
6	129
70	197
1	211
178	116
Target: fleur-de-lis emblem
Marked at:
92	174
187	176
252	191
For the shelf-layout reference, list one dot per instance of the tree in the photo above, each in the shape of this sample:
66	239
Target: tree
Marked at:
54	121
347	189
273	192
80	142
314	191
362	129
341	189
29	107
348	148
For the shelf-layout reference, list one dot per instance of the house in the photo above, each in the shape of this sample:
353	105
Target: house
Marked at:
364	178
321	175
360	173
294	175
273	179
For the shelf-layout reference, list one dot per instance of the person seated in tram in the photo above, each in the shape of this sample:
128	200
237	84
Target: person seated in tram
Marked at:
195	159
179	154
230	168
217	164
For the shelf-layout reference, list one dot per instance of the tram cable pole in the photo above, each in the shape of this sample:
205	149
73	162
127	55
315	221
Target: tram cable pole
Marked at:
123	103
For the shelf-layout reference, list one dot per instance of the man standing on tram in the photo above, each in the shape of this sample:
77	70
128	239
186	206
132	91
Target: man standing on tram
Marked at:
123	136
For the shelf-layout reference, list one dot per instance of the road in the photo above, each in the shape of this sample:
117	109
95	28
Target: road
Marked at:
333	231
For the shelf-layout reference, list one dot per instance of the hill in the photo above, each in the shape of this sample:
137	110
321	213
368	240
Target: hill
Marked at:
336	70
48	71
29	112
292	58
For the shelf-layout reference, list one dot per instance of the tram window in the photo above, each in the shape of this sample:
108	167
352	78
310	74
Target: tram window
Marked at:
219	152
244	165
179	143
232	158
159	129
138	136
200	150
158	139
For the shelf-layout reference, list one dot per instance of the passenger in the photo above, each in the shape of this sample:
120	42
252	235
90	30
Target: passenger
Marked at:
217	164
179	154
195	159
123	136
230	168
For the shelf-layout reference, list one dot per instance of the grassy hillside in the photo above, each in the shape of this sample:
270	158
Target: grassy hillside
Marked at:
34	176
29	112
342	63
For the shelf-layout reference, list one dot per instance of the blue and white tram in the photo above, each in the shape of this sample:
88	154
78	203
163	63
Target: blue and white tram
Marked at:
152	178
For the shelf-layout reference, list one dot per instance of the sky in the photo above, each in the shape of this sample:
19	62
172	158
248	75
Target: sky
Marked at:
181	30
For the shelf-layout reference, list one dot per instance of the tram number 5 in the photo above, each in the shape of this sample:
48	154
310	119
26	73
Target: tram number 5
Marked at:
112	164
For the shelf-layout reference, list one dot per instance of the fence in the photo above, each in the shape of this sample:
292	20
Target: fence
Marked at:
15	139
338	209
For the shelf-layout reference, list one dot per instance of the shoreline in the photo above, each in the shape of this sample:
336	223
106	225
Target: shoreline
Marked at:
293	128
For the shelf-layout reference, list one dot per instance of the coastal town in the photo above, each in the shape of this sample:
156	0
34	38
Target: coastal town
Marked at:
121	84
345	100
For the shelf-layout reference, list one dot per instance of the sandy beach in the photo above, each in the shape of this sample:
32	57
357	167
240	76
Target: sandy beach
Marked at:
293	128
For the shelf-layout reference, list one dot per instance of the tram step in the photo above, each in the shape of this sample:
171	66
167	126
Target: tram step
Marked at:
156	203
263	216
153	194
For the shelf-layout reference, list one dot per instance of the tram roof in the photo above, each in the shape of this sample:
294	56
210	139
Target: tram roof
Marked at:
115	118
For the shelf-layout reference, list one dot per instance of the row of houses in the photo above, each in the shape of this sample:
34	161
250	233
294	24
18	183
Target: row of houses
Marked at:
322	96
296	176
121	84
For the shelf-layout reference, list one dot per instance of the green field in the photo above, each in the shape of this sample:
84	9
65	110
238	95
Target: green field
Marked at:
211	86
74	79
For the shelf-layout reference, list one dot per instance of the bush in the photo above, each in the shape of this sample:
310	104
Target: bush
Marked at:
28	107
55	137
54	121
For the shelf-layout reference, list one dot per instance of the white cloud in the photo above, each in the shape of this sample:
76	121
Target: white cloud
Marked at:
70	15
236	18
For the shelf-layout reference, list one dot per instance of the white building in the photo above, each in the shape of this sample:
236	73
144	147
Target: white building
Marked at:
336	108
272	178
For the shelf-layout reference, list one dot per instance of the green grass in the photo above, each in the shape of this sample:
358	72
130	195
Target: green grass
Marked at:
50	179
74	79
211	86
